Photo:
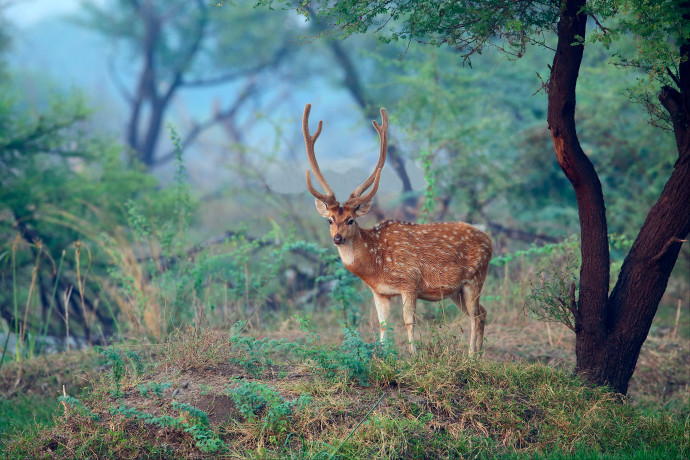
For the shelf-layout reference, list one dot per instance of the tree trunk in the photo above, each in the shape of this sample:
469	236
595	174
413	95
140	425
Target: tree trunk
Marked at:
610	331
647	267
594	272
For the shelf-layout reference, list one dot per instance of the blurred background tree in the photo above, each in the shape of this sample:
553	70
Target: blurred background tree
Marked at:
161	48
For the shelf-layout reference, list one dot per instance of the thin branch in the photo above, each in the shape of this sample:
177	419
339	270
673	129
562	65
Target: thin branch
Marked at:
117	81
521	235
198	36
218	117
671	241
573	303
604	30
673	76
220	79
229	76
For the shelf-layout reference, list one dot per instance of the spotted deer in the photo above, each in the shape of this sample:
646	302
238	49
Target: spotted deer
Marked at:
416	261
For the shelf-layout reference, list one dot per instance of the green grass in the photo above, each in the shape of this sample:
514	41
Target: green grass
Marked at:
30	402
24	411
308	399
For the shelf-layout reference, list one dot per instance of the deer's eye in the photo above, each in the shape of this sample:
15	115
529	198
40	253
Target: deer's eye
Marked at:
350	222
330	221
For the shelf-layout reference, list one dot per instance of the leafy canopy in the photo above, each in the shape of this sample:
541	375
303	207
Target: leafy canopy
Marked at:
658	29
470	27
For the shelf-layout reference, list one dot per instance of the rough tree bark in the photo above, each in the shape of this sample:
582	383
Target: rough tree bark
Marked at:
610	330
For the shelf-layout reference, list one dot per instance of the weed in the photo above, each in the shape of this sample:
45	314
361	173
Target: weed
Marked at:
353	357
253	399
253	354
553	298
118	360
191	420
156	388
74	403
192	347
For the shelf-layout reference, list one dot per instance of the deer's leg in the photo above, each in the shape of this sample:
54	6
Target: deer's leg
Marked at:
479	322
470	296
383	305
409	302
459	300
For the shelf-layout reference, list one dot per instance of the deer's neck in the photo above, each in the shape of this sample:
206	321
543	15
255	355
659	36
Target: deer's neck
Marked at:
356	254
349	250
347	253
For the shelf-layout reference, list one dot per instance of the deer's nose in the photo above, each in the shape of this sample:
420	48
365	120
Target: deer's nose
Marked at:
338	239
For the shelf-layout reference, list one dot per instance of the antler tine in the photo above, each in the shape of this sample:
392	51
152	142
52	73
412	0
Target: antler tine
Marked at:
383	135
356	201
309	141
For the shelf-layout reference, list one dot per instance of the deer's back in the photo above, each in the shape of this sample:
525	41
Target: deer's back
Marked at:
438	258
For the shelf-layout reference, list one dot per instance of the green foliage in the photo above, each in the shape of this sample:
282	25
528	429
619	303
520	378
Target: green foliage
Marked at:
191	420
554	298
253	354
160	229
253	399
658	30
431	192
59	189
353	358
345	293
443	404
74	403
156	388
469	27
544	280
355	355
228	281
119	359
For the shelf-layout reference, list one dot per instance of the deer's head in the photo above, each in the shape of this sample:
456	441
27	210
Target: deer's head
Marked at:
342	219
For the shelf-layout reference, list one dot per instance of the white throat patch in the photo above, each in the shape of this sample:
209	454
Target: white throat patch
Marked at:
347	255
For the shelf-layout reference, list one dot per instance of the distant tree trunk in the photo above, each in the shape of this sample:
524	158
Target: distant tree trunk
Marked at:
610	331
154	91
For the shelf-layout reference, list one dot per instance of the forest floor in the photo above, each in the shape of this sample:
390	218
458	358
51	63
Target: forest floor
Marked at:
290	394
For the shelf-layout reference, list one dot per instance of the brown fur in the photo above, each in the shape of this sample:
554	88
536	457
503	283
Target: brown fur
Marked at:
414	261
417	261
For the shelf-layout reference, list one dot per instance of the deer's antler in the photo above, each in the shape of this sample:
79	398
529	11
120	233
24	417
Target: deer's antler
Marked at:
329	197
375	176
356	201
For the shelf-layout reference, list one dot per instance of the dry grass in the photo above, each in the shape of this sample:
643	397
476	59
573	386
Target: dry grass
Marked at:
438	403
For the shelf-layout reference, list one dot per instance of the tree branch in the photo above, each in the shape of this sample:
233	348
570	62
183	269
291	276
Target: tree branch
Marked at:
273	62
521	235
671	241
218	117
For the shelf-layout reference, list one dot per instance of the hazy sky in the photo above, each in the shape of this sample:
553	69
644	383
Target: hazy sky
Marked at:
53	55
26	12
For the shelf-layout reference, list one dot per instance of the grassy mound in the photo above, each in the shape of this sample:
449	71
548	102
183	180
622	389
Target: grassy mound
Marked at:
205	394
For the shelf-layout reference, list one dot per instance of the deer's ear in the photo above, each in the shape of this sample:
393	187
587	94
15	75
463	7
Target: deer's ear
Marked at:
362	209
321	207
